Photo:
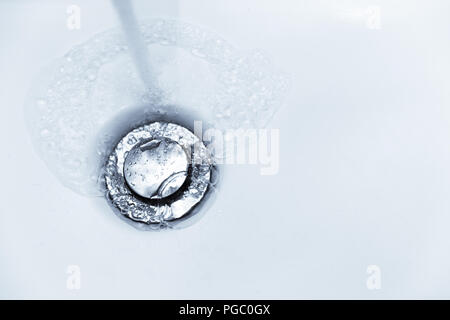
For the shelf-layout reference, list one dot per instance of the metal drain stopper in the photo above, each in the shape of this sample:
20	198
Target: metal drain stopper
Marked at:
157	175
156	169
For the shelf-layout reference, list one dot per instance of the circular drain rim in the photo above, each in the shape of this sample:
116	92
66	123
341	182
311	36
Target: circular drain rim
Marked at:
162	213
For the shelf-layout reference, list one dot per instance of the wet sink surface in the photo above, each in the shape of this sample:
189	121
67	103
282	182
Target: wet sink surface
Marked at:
363	178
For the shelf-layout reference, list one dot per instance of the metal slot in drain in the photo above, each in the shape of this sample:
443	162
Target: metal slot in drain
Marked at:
157	175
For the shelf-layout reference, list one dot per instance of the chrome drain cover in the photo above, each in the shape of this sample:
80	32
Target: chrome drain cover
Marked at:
157	175
156	169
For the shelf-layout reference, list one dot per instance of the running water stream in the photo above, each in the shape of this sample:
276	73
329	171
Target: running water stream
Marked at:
134	39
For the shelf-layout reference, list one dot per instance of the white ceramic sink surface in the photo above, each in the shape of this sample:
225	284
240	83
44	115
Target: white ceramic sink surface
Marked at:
364	163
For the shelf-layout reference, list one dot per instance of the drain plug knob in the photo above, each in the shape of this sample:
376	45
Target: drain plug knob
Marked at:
156	169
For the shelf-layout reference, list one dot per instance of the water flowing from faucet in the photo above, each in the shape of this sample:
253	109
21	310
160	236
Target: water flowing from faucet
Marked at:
132	32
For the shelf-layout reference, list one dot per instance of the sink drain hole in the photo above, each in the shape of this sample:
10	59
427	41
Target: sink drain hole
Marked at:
157	175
